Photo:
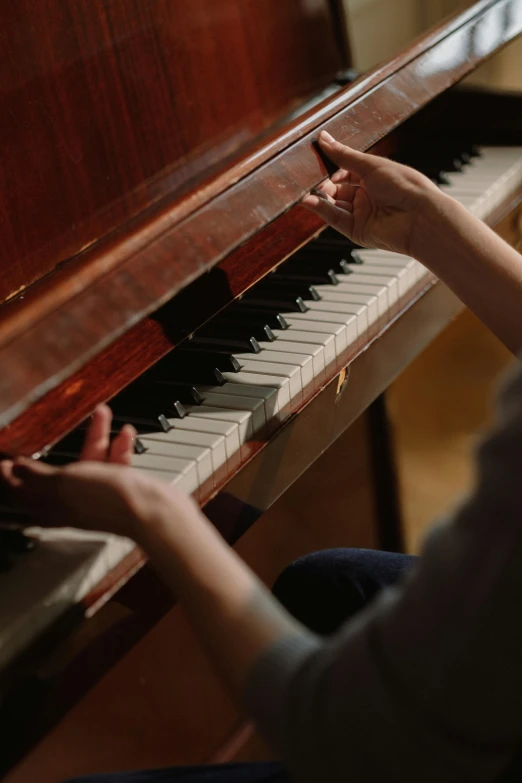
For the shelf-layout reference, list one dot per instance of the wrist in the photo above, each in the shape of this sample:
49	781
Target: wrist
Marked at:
438	214
164	514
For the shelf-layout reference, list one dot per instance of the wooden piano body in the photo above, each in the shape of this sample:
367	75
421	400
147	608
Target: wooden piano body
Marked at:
153	159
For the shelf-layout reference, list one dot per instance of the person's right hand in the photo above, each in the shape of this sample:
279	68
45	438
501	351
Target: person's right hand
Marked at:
373	201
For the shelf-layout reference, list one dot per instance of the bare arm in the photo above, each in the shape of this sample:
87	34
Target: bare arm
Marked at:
379	203
231	611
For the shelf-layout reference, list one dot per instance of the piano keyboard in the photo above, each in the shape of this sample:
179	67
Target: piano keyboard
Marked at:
331	298
235	382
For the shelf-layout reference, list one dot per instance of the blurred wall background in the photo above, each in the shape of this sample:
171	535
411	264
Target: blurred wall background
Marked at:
381	28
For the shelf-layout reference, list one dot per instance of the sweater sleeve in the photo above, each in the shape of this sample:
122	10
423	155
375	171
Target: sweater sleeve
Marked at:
426	683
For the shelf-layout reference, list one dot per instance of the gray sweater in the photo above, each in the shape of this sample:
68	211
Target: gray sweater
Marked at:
426	684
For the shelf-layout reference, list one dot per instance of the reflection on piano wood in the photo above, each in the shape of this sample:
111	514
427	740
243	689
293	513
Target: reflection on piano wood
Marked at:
249	396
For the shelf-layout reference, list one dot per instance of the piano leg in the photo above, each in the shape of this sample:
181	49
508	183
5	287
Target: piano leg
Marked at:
388	517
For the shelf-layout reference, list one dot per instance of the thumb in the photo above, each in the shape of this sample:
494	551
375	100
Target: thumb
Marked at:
345	157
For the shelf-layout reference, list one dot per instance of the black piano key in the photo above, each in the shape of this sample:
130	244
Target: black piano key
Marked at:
13	517
144	400
145	425
196	354
59	458
250	319
236	345
185	365
272	286
159	390
190	373
152	413
313	271
14	541
338	257
139	446
292	304
232	329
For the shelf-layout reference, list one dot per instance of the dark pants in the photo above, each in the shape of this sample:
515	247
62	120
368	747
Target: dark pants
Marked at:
322	590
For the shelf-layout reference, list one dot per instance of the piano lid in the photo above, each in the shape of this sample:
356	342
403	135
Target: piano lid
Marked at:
58	324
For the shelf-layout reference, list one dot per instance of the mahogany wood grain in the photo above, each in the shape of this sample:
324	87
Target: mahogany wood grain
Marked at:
109	107
103	293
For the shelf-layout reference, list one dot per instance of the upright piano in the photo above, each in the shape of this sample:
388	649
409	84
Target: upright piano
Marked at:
154	255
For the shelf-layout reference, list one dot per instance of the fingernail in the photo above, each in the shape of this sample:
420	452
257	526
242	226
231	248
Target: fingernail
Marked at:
325	136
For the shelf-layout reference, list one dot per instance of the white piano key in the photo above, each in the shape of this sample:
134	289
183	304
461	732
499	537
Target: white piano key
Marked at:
254	406
286	359
369	278
201	456
214	442
240	418
182	472
261	379
399	274
342	293
326	341
265	373
333	327
228	429
273	399
324	316
371	289
406	271
315	351
332	306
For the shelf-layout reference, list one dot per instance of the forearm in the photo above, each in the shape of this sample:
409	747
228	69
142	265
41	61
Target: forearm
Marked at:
232	613
481	269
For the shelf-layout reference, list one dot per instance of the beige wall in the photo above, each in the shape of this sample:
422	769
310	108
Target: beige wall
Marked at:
381	28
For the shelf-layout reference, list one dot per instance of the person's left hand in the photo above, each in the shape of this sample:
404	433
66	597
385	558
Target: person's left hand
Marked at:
100	491
97	446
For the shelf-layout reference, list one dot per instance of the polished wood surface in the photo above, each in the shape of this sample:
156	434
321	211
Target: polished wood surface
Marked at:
86	304
109	107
